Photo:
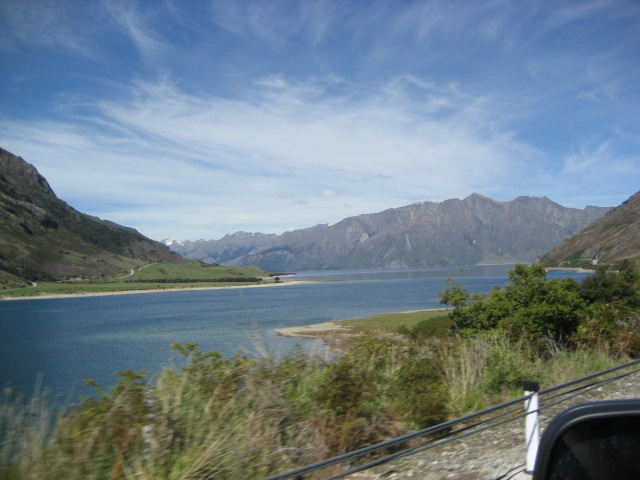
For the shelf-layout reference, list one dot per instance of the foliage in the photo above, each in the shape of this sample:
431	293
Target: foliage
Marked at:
509	364
618	329
601	309
422	391
147	276
528	304
425	330
195	280
619	289
165	271
227	418
108	428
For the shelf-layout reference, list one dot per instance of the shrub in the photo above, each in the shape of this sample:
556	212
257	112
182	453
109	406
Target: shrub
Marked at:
426	330
422	391
613	288
506	371
613	326
528	305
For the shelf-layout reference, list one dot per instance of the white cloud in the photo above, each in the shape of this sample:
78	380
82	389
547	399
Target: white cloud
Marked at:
198	152
599	161
27	24
329	193
278	21
137	26
280	115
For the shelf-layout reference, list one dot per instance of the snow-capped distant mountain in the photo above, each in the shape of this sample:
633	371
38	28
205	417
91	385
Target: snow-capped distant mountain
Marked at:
169	242
223	251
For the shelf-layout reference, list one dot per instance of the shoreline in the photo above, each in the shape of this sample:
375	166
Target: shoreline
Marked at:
333	327
284	281
50	296
313	331
570	269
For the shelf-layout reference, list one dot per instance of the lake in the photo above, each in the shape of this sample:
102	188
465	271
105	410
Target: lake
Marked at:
67	340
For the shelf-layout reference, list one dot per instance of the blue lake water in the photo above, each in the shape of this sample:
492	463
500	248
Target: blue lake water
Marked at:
67	340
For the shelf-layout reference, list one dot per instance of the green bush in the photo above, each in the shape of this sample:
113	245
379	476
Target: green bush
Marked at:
507	369
613	288
422	391
425	330
343	390
529	304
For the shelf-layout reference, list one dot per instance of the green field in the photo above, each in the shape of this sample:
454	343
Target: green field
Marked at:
155	276
392	321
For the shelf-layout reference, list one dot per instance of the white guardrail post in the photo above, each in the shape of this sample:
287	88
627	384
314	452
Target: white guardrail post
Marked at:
532	427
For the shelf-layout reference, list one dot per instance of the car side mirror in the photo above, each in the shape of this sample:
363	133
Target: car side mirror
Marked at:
592	441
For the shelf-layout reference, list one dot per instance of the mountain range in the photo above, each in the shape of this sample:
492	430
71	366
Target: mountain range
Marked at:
610	240
471	231
43	238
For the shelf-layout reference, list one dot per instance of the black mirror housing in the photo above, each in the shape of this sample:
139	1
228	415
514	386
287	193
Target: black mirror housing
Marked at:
594	441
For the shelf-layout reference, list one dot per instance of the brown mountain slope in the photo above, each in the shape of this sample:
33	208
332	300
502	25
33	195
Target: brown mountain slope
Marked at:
611	239
475	230
41	237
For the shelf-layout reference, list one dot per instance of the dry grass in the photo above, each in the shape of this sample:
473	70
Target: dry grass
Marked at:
228	418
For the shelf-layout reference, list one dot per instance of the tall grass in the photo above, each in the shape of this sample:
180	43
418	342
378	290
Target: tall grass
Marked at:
229	418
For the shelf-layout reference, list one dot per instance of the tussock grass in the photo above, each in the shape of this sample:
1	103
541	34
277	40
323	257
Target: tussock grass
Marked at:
229	418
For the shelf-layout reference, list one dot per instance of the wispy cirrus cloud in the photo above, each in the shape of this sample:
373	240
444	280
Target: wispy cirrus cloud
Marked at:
279	22
194	119
49	24
284	137
138	26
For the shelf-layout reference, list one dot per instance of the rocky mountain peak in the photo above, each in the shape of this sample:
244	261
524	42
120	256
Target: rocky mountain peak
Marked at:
475	230
21	178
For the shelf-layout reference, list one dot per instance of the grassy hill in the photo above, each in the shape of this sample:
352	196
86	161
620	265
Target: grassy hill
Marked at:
43	238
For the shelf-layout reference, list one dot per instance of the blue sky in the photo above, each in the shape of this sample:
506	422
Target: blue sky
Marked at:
193	119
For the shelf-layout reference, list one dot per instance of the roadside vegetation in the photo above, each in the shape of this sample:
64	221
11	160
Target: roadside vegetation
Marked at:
151	276
230	418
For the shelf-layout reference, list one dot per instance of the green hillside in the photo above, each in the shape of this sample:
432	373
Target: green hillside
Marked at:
43	238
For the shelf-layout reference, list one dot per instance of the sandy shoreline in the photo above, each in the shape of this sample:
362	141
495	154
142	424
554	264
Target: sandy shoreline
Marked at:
133	292
567	269
312	331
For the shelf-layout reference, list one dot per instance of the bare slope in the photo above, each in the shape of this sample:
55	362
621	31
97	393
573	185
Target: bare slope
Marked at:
611	239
